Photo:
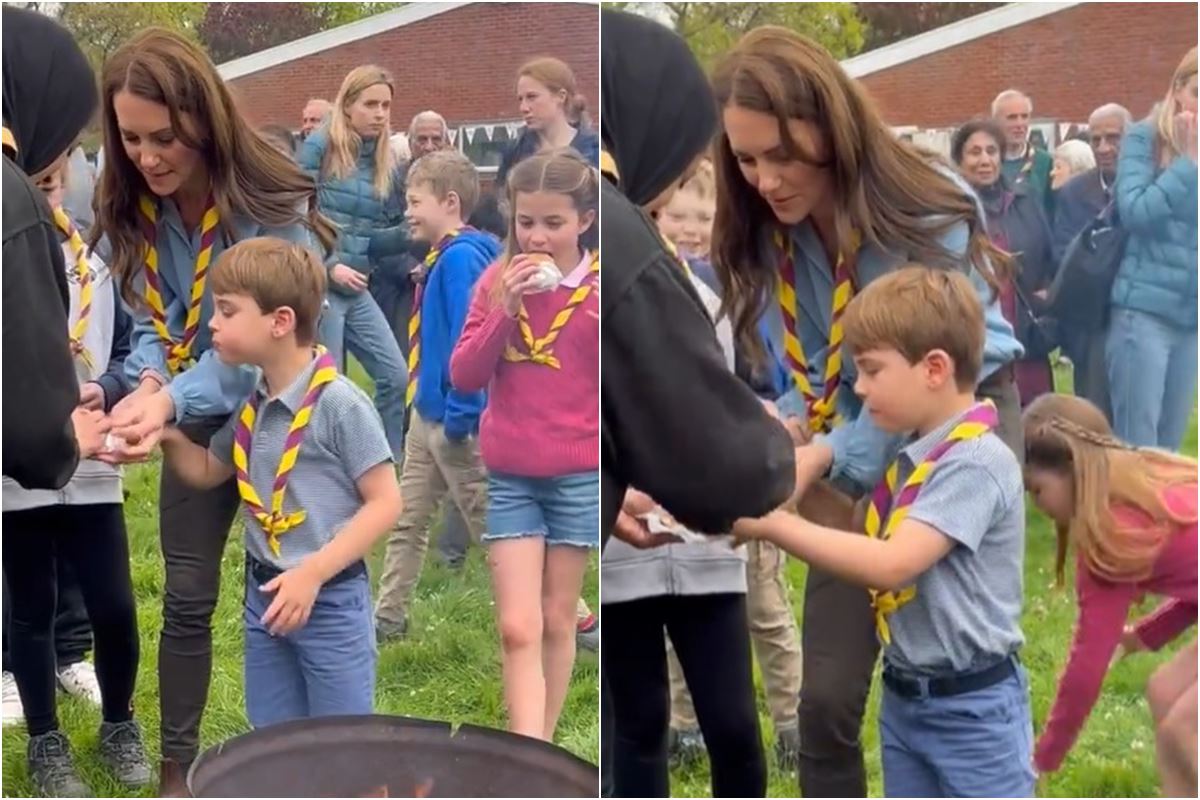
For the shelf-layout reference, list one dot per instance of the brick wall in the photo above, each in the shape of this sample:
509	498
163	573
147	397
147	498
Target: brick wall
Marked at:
462	63
1070	63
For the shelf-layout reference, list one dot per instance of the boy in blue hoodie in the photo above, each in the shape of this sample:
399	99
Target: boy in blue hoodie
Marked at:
441	452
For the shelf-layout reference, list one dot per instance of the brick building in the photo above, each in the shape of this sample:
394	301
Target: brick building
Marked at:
1069	57
458	58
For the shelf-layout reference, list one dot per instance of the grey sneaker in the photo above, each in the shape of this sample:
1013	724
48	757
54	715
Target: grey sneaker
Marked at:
51	767
685	746
386	632
787	748
122	751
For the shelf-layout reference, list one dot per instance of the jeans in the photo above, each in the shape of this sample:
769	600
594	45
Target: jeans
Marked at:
978	744
1152	378
355	323
72	629
562	510
325	668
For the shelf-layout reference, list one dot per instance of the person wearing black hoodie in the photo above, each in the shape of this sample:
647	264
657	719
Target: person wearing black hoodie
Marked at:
676	423
49	95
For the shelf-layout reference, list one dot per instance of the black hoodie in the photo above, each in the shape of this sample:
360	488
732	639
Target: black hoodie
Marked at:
675	422
49	95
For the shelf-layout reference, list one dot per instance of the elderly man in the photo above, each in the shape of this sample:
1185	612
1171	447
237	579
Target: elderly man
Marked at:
316	112
1023	163
1079	201
428	132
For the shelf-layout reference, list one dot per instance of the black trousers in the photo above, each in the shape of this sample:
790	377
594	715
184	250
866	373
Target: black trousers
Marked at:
91	539
72	629
193	526
712	641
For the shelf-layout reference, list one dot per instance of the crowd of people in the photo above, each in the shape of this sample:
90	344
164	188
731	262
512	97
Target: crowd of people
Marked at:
200	290
884	320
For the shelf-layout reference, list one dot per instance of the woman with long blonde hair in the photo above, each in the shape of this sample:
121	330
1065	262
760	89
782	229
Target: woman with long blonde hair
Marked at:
1130	514
816	197
359	188
1151	350
186	178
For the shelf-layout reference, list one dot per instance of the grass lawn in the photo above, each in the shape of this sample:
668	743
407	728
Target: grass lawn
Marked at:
1114	756
448	669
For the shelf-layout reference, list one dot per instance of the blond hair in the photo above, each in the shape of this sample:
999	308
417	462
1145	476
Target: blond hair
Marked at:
703	182
916	310
556	76
1069	435
446	171
341	157
1169	143
275	273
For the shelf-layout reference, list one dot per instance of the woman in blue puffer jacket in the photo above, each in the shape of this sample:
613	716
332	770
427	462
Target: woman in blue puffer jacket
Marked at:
360	190
1151	349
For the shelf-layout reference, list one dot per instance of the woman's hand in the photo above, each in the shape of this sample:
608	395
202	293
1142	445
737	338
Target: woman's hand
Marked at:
350	278
1185	133
138	421
519	279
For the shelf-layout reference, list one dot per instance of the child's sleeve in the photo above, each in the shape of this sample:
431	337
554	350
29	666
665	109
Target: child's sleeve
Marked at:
1166	622
114	382
962	499
1103	608
484	336
458	277
358	431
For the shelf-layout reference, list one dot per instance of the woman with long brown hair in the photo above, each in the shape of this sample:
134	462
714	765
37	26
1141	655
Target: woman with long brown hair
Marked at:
186	177
816	198
359	187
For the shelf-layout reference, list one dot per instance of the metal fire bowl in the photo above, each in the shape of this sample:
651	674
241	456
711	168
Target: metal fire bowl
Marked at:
356	756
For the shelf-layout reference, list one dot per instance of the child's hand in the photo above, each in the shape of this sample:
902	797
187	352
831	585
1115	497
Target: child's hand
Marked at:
519	279
295	592
1130	642
90	430
91	396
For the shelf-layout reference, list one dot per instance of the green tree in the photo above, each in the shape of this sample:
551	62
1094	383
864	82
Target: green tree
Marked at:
232	30
710	29
888	23
100	28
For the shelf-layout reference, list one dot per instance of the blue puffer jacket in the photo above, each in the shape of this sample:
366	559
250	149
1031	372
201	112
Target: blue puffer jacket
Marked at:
371	228
1158	208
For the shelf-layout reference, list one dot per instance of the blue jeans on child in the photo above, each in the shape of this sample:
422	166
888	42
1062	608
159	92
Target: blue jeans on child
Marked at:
325	668
1151	378
977	744
563	510
356	323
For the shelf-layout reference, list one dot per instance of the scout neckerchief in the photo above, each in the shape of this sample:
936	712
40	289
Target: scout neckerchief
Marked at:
179	353
538	351
889	508
84	273
608	166
414	322
275	522
8	140
822	411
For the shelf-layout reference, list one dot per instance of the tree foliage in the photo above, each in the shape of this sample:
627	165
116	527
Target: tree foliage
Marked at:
232	30
100	28
888	23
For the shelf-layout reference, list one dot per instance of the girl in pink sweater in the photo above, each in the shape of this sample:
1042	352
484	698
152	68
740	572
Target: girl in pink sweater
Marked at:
1131	515
532	339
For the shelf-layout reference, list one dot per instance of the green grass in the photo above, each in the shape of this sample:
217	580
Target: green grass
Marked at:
448	669
1114	756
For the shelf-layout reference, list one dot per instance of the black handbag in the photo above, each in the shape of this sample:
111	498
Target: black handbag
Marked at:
1079	295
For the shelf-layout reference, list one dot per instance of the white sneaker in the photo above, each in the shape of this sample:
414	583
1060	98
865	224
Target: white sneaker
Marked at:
12	711
79	680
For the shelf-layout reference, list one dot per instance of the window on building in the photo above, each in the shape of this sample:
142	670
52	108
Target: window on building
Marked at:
486	142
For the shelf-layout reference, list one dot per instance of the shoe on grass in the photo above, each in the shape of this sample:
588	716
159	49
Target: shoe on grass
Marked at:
79	680
122	751
386	631
587	633
11	710
787	748
51	767
685	746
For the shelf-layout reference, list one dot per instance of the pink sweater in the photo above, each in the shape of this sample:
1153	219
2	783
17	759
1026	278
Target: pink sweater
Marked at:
1103	610
539	422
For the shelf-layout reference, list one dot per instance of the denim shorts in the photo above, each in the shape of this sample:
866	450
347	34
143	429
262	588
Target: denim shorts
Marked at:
562	510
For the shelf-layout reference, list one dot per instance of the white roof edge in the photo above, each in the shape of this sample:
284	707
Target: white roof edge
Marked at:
335	37
952	35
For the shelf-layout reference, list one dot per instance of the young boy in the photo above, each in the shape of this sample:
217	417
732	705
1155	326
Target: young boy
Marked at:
312	513
441	451
955	720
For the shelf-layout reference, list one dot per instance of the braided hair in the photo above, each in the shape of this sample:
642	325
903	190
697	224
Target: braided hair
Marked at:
1070	436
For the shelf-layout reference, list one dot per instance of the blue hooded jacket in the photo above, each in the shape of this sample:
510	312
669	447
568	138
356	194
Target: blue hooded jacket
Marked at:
444	304
370	227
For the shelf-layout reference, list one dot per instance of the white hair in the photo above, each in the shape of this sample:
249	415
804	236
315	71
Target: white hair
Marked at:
400	148
1010	94
1077	155
429	116
1112	110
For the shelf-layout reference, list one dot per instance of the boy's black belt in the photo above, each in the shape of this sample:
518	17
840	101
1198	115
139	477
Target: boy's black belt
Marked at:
951	685
263	573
